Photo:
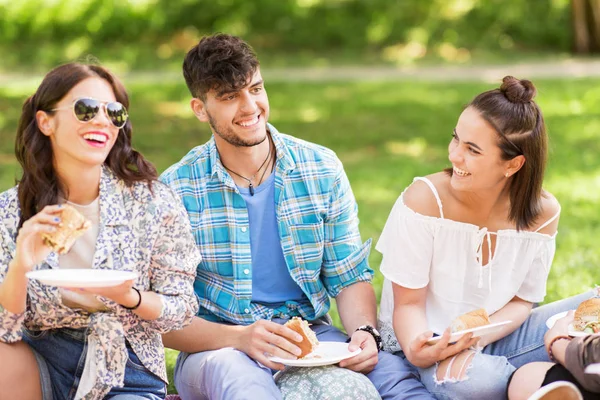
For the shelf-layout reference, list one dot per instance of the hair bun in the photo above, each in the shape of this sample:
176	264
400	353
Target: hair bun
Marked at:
517	90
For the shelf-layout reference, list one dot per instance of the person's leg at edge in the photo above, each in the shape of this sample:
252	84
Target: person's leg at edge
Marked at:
393	377
19	365
223	374
526	344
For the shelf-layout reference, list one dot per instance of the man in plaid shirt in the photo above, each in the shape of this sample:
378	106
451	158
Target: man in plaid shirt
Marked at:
276	223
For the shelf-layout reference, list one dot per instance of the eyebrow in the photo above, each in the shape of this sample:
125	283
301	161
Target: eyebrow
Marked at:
469	143
224	92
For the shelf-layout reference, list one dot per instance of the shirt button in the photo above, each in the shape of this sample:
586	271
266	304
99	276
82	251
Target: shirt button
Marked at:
247	311
244	229
246	271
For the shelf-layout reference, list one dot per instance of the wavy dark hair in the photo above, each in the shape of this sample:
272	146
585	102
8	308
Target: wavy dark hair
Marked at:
221	62
40	185
521	129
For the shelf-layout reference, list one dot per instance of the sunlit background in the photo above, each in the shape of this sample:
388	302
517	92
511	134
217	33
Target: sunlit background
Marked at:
381	82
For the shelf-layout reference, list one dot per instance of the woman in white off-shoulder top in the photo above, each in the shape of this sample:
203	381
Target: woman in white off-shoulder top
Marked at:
478	235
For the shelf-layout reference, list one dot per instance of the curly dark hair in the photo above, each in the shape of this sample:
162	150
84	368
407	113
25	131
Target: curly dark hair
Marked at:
220	62
40	186
521	129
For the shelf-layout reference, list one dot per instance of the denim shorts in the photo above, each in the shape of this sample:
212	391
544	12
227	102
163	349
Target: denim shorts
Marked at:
60	355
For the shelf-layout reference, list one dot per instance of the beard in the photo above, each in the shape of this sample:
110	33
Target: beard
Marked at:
228	135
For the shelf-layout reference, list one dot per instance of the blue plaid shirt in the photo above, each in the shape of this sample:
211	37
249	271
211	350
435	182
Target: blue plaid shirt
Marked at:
318	228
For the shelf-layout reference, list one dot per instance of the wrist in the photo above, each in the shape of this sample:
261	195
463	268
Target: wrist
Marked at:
133	300
552	346
374	334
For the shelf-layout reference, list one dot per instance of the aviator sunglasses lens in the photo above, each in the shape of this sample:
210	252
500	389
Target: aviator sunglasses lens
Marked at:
117	114
87	109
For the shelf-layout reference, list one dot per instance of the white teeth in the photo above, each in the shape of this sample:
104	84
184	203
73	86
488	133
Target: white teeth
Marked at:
95	137
460	172
249	123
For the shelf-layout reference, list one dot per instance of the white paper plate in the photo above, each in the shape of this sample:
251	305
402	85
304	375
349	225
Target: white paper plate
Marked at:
479	331
81	278
593	369
552	320
325	354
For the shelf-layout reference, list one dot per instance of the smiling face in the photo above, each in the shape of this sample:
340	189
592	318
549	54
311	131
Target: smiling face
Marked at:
238	118
76	144
476	159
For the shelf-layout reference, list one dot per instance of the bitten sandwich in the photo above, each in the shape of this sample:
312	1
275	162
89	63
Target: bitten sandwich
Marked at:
73	225
309	340
470	320
587	316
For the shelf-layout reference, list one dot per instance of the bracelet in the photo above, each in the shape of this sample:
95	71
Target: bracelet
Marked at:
550	355
373	332
138	303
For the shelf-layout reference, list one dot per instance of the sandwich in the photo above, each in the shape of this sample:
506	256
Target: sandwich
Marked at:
470	320
309	340
73	224
587	316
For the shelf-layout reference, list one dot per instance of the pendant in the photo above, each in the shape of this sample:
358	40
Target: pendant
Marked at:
251	189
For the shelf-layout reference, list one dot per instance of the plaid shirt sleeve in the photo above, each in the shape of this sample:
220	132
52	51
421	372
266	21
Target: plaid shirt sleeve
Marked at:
345	259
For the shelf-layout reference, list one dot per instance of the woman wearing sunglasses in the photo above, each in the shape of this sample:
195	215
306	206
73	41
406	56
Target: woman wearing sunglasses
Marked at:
74	145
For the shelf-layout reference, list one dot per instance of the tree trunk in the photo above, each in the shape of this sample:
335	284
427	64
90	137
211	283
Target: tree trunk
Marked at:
585	16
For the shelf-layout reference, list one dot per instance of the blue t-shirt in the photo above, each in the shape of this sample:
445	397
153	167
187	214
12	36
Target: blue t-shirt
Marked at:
272	283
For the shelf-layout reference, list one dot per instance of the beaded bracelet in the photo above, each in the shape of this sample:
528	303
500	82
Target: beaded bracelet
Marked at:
550	355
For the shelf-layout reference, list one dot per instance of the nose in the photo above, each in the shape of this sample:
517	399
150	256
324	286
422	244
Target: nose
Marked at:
455	154
248	103
102	117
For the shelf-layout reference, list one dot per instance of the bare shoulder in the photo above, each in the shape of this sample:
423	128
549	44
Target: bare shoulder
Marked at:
550	208
420	198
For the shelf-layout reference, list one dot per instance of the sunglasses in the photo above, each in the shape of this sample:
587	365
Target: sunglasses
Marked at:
85	109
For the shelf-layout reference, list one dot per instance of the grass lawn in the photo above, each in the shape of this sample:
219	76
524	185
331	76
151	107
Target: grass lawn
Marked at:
387	133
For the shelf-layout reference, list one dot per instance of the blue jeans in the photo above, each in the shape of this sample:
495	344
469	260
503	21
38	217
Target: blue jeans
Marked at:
60	355
230	374
490	369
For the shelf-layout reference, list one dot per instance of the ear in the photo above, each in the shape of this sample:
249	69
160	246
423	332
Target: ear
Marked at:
199	108
514	165
45	123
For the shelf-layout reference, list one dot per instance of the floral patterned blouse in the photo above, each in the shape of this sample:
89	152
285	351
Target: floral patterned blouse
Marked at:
143	231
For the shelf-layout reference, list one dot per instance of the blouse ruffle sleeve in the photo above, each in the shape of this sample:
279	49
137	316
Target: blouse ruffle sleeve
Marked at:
10	323
406	244
173	269
533	288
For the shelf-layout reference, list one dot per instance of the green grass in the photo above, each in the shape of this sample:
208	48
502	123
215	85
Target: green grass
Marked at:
386	133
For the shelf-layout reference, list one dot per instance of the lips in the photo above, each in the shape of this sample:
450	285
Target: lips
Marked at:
460	172
247	123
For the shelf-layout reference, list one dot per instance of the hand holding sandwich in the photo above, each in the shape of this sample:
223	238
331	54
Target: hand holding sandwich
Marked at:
31	246
560	328
423	355
264	339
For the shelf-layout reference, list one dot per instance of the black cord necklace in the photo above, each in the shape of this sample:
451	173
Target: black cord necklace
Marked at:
249	180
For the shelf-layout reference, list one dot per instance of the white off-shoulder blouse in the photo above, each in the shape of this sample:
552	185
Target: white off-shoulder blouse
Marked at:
445	256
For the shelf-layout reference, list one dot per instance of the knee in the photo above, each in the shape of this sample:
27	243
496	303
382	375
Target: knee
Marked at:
472	372
526	380
228	361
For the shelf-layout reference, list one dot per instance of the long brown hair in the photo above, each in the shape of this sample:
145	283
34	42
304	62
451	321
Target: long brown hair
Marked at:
40	186
519	122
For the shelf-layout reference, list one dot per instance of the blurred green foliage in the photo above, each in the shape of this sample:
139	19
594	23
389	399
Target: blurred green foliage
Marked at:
385	133
144	34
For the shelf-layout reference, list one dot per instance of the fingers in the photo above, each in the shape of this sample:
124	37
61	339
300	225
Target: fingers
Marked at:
467	340
365	361
266	337
420	340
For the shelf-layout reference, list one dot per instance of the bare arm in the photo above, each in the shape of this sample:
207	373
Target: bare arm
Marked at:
517	310
259	341
357	306
410	326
